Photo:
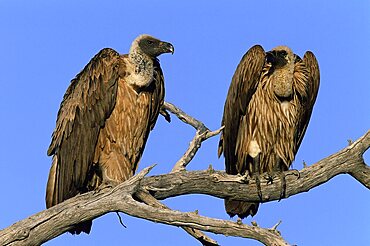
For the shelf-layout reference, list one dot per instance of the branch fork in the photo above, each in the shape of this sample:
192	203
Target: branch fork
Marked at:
139	196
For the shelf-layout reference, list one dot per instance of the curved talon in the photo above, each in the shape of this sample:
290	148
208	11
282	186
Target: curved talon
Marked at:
245	179
269	178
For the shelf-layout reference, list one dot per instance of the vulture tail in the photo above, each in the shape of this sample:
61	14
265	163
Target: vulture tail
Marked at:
81	227
242	209
52	199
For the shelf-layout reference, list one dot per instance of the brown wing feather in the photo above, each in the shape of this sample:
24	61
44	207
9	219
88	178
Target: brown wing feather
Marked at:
242	87
88	102
313	83
158	94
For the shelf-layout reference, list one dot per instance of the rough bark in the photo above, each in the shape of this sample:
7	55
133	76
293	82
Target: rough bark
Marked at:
216	183
138	195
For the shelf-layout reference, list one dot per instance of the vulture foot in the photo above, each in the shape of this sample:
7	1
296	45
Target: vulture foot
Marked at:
270	180
256	174
283	185
108	184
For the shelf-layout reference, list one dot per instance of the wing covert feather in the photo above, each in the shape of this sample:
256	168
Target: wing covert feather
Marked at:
158	94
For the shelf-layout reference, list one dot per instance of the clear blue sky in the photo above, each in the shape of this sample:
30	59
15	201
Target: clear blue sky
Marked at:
44	44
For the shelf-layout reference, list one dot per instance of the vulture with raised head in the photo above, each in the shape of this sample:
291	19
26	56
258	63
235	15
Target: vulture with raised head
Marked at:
104	121
266	113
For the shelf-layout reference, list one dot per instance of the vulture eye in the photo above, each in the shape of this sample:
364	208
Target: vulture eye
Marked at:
150	42
283	53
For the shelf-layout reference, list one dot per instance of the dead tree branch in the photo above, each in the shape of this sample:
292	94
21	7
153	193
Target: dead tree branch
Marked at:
202	134
200	236
216	183
54	221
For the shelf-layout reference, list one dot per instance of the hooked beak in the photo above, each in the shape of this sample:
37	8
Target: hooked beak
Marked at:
167	47
270	57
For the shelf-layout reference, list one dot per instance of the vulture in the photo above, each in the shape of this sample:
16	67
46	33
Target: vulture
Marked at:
104	121
266	113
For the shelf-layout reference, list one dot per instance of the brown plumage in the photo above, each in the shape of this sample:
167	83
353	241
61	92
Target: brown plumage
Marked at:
104	121
266	113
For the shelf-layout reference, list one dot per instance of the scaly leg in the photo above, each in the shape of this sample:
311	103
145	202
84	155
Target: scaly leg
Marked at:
279	170
283	185
256	173
106	182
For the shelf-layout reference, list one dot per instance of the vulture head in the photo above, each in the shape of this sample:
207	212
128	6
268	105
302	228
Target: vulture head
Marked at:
151	46
280	56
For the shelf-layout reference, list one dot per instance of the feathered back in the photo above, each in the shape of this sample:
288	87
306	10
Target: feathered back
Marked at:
86	105
242	87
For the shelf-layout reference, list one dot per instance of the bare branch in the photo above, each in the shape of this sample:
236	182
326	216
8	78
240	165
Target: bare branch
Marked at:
187	119
202	134
193	220
60	218
200	236
54	221
276	225
362	172
193	148
219	184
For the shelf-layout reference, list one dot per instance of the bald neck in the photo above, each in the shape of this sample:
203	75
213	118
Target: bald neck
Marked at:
142	66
